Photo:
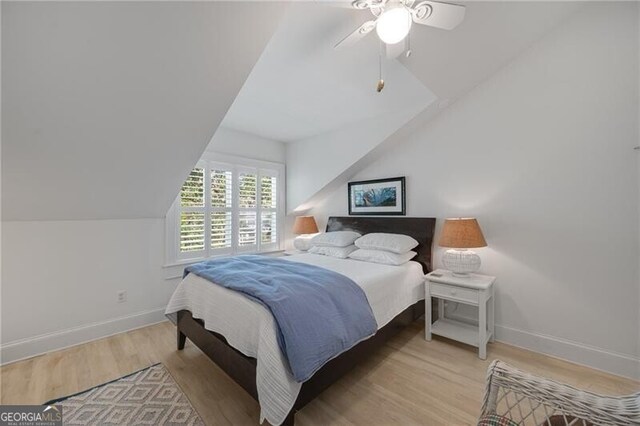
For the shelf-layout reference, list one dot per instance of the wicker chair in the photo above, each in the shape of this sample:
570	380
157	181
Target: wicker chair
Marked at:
529	400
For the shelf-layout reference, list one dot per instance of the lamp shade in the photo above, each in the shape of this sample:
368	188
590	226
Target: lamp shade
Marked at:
462	233
305	225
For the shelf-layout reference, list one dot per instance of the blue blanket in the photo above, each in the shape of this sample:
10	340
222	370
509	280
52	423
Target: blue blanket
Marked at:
319	313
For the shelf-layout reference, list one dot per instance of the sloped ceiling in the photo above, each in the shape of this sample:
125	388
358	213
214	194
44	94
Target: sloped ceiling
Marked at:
491	35
449	64
323	101
302	87
106	106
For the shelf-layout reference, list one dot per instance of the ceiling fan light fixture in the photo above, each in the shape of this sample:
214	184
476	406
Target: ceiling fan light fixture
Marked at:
394	24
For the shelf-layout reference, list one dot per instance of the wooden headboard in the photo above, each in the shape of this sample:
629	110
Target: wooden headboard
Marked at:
420	228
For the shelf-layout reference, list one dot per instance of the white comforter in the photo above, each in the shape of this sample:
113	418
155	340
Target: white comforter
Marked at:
250	328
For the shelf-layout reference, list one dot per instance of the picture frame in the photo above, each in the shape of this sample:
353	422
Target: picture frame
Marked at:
377	197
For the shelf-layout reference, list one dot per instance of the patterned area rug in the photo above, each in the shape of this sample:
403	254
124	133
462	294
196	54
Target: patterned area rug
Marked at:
147	397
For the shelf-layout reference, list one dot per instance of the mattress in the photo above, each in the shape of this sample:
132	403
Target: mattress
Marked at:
250	328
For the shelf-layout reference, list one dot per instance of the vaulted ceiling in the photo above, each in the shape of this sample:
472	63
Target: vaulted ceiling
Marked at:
448	63
491	35
302	87
106	106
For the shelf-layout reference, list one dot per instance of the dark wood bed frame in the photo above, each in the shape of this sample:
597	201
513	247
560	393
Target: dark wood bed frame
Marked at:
242	369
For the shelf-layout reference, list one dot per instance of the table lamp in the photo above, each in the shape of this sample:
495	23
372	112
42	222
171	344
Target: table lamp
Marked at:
306	228
461	234
305	225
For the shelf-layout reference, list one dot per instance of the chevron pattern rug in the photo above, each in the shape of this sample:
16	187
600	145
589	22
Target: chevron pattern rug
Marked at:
147	397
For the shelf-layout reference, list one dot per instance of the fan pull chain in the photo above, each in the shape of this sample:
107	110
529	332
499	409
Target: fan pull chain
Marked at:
380	80
408	52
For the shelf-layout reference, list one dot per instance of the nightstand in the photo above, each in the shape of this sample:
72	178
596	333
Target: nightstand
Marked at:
475	290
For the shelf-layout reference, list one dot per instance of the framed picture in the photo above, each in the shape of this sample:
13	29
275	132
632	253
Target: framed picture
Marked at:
377	197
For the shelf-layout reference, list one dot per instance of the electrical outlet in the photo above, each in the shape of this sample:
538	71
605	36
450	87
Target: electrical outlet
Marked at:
122	296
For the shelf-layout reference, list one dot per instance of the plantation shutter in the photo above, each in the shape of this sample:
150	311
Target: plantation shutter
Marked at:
247	209
192	214
221	208
226	208
268	209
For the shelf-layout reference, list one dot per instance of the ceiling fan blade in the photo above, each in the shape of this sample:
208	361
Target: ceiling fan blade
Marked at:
439	15
368	4
355	36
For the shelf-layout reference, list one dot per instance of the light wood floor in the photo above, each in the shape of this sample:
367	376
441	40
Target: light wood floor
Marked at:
409	381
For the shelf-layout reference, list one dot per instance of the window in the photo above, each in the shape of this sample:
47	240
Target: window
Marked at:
228	206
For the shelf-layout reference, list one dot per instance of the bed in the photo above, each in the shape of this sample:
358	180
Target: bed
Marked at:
238	333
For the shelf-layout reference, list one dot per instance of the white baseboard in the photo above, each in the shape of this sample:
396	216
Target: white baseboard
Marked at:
619	364
590	356
38	345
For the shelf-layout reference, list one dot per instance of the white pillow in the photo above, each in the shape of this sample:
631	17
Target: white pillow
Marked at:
303	242
339	252
335	239
382	256
396	243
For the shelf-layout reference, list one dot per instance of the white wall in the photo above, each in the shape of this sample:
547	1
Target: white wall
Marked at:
93	154
241	144
542	153
313	163
638	176
60	279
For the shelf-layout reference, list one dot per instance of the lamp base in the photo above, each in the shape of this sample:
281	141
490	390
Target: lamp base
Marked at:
461	262
303	242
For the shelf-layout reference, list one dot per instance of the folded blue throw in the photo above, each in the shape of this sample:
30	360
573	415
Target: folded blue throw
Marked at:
319	313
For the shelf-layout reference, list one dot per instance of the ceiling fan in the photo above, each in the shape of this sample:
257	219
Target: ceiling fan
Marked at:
393	18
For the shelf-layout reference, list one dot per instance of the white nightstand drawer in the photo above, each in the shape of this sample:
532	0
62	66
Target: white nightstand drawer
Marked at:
462	294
